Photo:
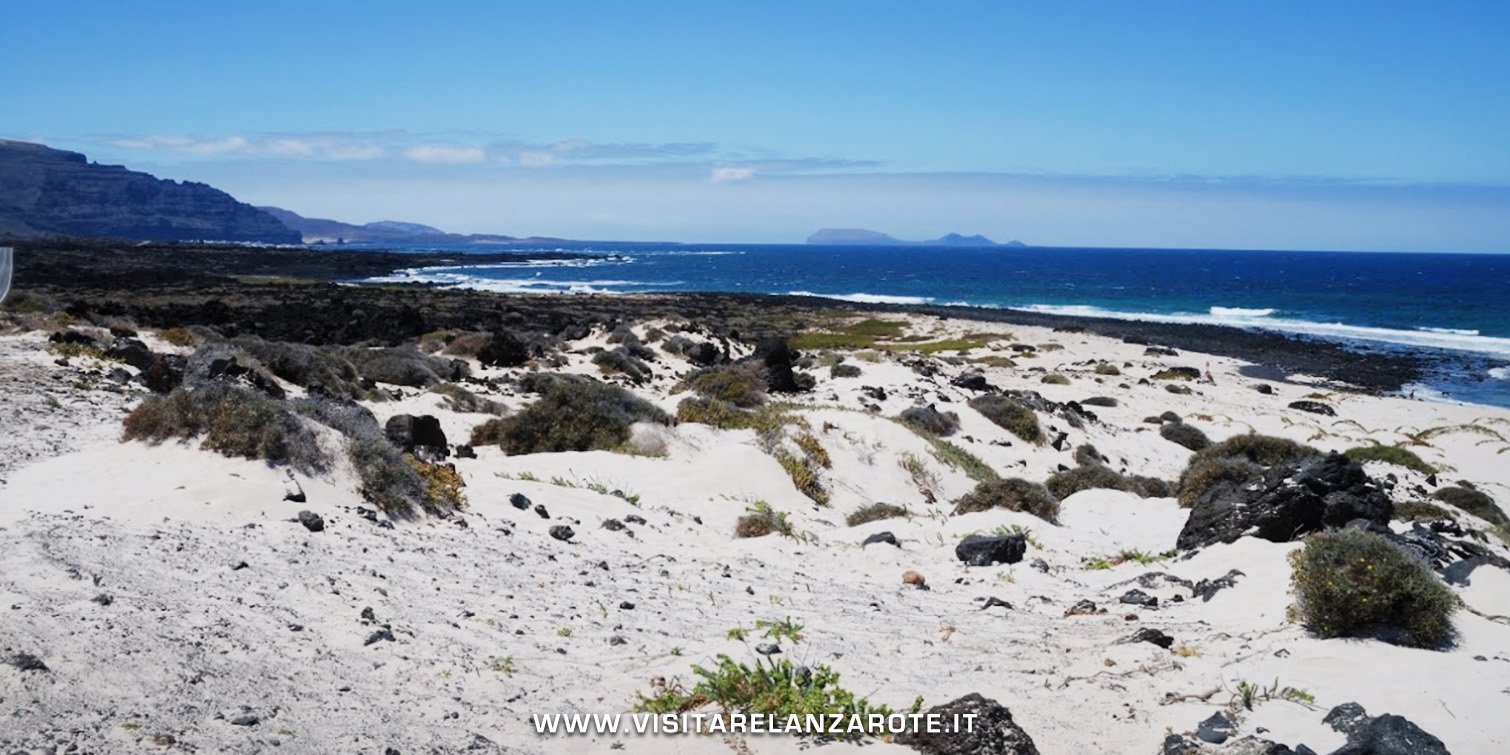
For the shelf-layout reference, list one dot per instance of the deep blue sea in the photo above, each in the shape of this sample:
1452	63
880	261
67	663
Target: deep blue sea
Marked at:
1458	303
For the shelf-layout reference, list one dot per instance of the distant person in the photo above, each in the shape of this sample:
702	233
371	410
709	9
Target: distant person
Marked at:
7	262
1209	378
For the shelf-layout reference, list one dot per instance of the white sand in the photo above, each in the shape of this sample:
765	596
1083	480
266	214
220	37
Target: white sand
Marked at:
496	621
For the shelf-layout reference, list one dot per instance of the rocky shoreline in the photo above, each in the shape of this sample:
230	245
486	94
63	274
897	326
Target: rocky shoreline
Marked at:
247	507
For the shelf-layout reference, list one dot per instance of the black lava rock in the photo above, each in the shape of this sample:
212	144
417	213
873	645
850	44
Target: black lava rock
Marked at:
563	533
1314	407
993	732
519	501
881	537
311	521
27	662
1216	729
980	550
465	451
1295	498
1380	735
1139	598
382	635
132	352
1153	637
1206	588
420	434
613	525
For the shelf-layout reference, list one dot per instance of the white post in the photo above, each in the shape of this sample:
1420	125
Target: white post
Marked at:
7	263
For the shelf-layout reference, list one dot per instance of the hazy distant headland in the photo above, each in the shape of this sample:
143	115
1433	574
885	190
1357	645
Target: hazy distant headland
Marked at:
866	237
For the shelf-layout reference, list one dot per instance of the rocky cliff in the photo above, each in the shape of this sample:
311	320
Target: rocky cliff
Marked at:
50	192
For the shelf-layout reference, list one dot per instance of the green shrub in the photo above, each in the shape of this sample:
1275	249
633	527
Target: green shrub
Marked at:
804	476
305	366
1264	450
760	520
844	371
1092	476
232	421
1420	511
1475	502
1010	415
1185	435
1203	474
1173	373
442	483
711	411
1054	378
619	361
1013	494
1352	581
459	399
874	513
576	416
1107	368
403	365
928	420
741	385
179	336
386	478
775	687
1396	455
489	433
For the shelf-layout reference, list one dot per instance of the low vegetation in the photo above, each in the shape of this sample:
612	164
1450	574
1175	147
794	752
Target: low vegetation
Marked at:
576	416
760	520
1400	457
1065	483
928	420
232	421
1054	378
1107	368
1185	435
1475	502
1009	414
1238	460
741	385
1351	582
1420	511
1013	494
874	513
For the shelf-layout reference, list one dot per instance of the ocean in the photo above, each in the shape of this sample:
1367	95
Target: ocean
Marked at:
1455	305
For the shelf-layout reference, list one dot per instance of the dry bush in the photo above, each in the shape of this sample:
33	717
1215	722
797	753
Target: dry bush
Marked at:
1013	494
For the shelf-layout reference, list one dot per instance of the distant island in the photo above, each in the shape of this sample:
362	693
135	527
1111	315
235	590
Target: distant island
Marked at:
865	237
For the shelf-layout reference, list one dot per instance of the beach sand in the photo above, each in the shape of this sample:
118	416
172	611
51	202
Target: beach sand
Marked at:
178	604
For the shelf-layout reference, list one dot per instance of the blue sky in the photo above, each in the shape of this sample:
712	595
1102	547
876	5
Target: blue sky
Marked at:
1341	125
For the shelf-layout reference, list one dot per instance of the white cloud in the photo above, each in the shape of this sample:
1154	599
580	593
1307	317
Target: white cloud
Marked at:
731	175
439	153
536	158
318	147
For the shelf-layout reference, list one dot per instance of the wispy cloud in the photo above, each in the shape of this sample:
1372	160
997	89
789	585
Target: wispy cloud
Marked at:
726	175
440	153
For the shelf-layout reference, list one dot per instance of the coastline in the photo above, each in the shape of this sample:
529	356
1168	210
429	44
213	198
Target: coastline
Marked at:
164	594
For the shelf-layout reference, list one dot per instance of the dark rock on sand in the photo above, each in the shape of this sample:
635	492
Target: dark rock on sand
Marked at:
1139	598
27	662
563	533
504	349
417	434
1380	735
1207	588
778	359
165	373
993	731
881	537
1295	498
1314	407
613	525
1216	729
464	451
519	501
311	521
972	381
132	352
381	635
1153	637
980	550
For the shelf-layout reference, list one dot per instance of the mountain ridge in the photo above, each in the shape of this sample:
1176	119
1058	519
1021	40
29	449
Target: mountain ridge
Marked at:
52	192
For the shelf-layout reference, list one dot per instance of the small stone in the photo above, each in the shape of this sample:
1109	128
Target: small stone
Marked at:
369	615
1152	636
617	640
104	599
27	662
768	648
1216	729
635	519
382	635
626	605
1083	608
881	537
539	509
311	521
1139	598
915	579
563	533
995	602
295	496
519	501
245	720
613	525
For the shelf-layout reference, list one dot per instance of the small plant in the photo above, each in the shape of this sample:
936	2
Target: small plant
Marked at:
1132	555
1107	368
1185	435
873	513
1186	651
1013	494
761	520
75	350
182	337
742	385
1247	694
928	420
564	632
503	665
814	450
676	650
926	481
1018	530
1095	476
804	476
957	457
1054	378
1475	502
1420	511
785	629
1352	581
442	483
1009	415
1401	457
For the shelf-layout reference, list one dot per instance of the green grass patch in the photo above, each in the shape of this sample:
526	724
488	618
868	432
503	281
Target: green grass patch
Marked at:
1391	455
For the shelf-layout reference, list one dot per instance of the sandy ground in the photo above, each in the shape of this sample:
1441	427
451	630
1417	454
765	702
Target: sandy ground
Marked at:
178	604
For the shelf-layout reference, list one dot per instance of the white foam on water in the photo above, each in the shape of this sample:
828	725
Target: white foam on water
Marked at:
864	298
1438	338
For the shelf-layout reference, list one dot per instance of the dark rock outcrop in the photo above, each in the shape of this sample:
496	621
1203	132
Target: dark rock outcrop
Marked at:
993	731
49	192
1314	407
417	434
1380	735
980	550
1293	499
